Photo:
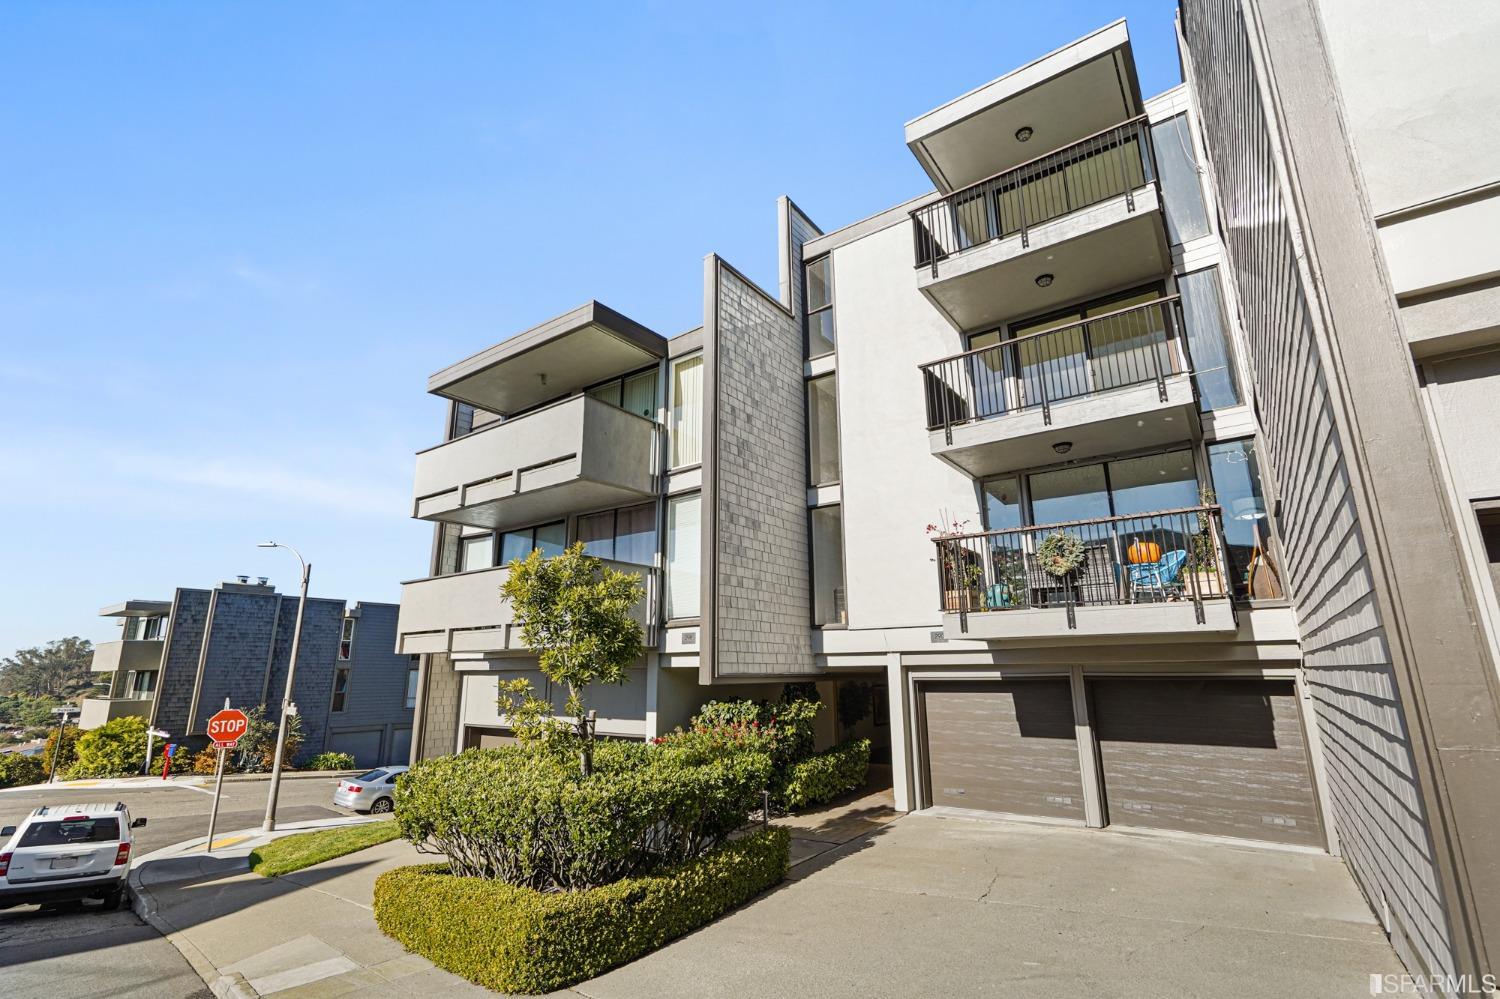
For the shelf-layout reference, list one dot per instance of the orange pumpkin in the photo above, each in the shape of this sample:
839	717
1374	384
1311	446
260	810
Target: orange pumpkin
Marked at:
1143	551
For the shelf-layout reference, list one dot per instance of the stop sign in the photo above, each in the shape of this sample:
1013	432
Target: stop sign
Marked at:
226	727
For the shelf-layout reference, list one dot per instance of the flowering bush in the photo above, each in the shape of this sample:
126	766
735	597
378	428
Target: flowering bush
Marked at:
783	731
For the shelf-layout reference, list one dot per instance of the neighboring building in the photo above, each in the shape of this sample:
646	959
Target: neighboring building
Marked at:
1355	147
177	660
1073	352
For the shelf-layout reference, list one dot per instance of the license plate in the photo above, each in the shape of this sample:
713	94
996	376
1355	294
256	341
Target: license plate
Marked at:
62	863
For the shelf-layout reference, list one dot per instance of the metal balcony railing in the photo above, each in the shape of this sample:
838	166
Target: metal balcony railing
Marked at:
1105	165
1118	349
1148	558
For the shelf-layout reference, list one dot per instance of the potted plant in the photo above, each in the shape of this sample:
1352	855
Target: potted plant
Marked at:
962	571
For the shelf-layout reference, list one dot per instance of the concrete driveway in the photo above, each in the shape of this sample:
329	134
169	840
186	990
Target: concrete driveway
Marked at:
941	906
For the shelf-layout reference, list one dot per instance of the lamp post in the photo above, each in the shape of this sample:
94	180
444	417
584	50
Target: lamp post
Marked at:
287	707
63	714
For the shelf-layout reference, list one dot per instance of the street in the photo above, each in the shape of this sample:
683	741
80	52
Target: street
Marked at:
65	954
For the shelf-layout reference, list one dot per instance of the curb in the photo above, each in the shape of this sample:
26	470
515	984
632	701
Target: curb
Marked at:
143	904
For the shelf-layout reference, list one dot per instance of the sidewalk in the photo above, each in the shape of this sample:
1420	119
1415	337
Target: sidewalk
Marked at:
313	933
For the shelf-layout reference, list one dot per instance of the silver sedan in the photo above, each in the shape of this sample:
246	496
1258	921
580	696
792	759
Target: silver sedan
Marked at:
369	792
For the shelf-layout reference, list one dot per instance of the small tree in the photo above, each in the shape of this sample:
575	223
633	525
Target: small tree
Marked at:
574	612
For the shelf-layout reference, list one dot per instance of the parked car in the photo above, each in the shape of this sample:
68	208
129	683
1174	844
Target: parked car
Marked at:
374	791
67	853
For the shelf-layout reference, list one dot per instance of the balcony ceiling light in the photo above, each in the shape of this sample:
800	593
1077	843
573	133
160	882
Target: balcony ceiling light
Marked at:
1044	280
1063	447
1023	133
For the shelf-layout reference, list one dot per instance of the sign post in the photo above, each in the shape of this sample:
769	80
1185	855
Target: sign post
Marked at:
225	729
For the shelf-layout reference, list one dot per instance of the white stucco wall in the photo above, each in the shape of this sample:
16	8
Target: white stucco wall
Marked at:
892	486
1465	397
1418	80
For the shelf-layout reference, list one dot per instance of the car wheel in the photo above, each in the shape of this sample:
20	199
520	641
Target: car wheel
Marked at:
113	899
381	806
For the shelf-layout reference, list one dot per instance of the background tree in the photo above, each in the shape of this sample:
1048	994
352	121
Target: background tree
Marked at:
59	671
575	613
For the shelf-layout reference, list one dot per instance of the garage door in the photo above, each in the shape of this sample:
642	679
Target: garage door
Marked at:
363	746
1217	756
400	746
1002	747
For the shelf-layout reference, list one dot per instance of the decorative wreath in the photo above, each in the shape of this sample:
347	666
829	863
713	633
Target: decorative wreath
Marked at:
1060	554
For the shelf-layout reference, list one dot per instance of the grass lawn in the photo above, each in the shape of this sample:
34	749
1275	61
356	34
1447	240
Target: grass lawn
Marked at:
292	853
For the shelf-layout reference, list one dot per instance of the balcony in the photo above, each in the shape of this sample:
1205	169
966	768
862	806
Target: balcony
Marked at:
1142	575
126	655
1084	217
465	616
96	711
575	455
1110	383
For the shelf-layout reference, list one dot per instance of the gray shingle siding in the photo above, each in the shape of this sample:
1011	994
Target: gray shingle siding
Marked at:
1371	776
179	672
376	698
761	584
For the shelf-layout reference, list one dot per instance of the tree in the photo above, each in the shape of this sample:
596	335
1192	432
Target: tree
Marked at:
576	614
256	750
60	670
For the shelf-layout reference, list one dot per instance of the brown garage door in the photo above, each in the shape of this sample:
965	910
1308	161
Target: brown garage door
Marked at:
1002	747
1215	756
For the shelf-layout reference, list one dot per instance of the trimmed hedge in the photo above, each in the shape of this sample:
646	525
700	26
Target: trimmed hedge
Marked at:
826	776
519	940
525	815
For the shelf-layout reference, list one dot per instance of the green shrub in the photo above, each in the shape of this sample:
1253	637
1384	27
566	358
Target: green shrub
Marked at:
331	761
65	755
525	815
827	775
115	749
256	751
17	770
785	731
519	940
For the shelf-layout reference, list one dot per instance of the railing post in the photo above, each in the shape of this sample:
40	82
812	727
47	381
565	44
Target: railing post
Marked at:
1161	379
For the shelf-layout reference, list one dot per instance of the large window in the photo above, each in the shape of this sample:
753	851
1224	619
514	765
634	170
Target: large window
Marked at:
139	685
635	393
687	411
829	603
1208	342
822	431
817	292
550	539
1123	487
627	535
1235	470
477	552
684	555
346	638
1182	191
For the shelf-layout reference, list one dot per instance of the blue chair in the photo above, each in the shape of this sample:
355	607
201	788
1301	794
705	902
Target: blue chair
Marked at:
1162	576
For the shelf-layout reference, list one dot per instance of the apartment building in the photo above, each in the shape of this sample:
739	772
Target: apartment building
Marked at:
1065	457
1355	148
177	660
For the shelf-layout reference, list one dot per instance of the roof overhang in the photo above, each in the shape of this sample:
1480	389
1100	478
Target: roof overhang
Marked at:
591	344
137	608
1082	88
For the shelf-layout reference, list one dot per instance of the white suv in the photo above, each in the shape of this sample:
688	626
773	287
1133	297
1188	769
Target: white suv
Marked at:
65	853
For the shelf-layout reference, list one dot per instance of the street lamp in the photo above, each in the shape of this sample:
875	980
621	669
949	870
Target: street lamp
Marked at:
287	707
63	714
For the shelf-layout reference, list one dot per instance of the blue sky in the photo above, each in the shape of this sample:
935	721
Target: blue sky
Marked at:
238	237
